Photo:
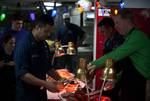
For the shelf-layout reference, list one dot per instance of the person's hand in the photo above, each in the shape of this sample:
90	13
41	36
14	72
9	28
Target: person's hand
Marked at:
54	86
109	85
91	69
2	64
69	96
10	63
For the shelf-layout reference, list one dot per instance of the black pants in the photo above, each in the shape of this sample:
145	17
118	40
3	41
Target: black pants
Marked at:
114	93
7	84
133	84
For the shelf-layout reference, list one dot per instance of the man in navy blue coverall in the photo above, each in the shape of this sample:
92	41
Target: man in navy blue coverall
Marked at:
15	28
69	32
33	62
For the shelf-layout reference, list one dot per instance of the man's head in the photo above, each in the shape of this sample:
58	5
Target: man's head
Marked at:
17	22
107	27
66	18
43	27
9	42
124	21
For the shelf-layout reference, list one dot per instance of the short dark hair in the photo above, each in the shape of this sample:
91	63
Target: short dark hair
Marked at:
44	20
106	21
126	13
17	16
6	38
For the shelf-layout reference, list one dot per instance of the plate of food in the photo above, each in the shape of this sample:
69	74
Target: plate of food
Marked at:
64	73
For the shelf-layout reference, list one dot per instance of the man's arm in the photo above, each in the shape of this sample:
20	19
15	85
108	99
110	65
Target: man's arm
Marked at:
31	79
132	44
1	64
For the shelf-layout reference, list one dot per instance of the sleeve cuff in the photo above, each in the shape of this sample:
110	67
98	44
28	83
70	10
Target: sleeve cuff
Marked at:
21	72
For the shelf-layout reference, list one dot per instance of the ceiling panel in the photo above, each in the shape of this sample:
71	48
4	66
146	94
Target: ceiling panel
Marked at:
29	2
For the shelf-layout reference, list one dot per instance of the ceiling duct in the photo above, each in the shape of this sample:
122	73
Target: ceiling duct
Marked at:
113	1
110	3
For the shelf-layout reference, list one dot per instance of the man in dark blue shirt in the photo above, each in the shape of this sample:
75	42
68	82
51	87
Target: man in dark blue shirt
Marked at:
15	28
69	32
113	40
33	62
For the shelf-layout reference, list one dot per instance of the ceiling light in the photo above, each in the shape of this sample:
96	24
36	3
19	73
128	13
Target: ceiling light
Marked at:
2	16
92	8
32	16
85	4
52	4
38	7
49	8
122	4
54	13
